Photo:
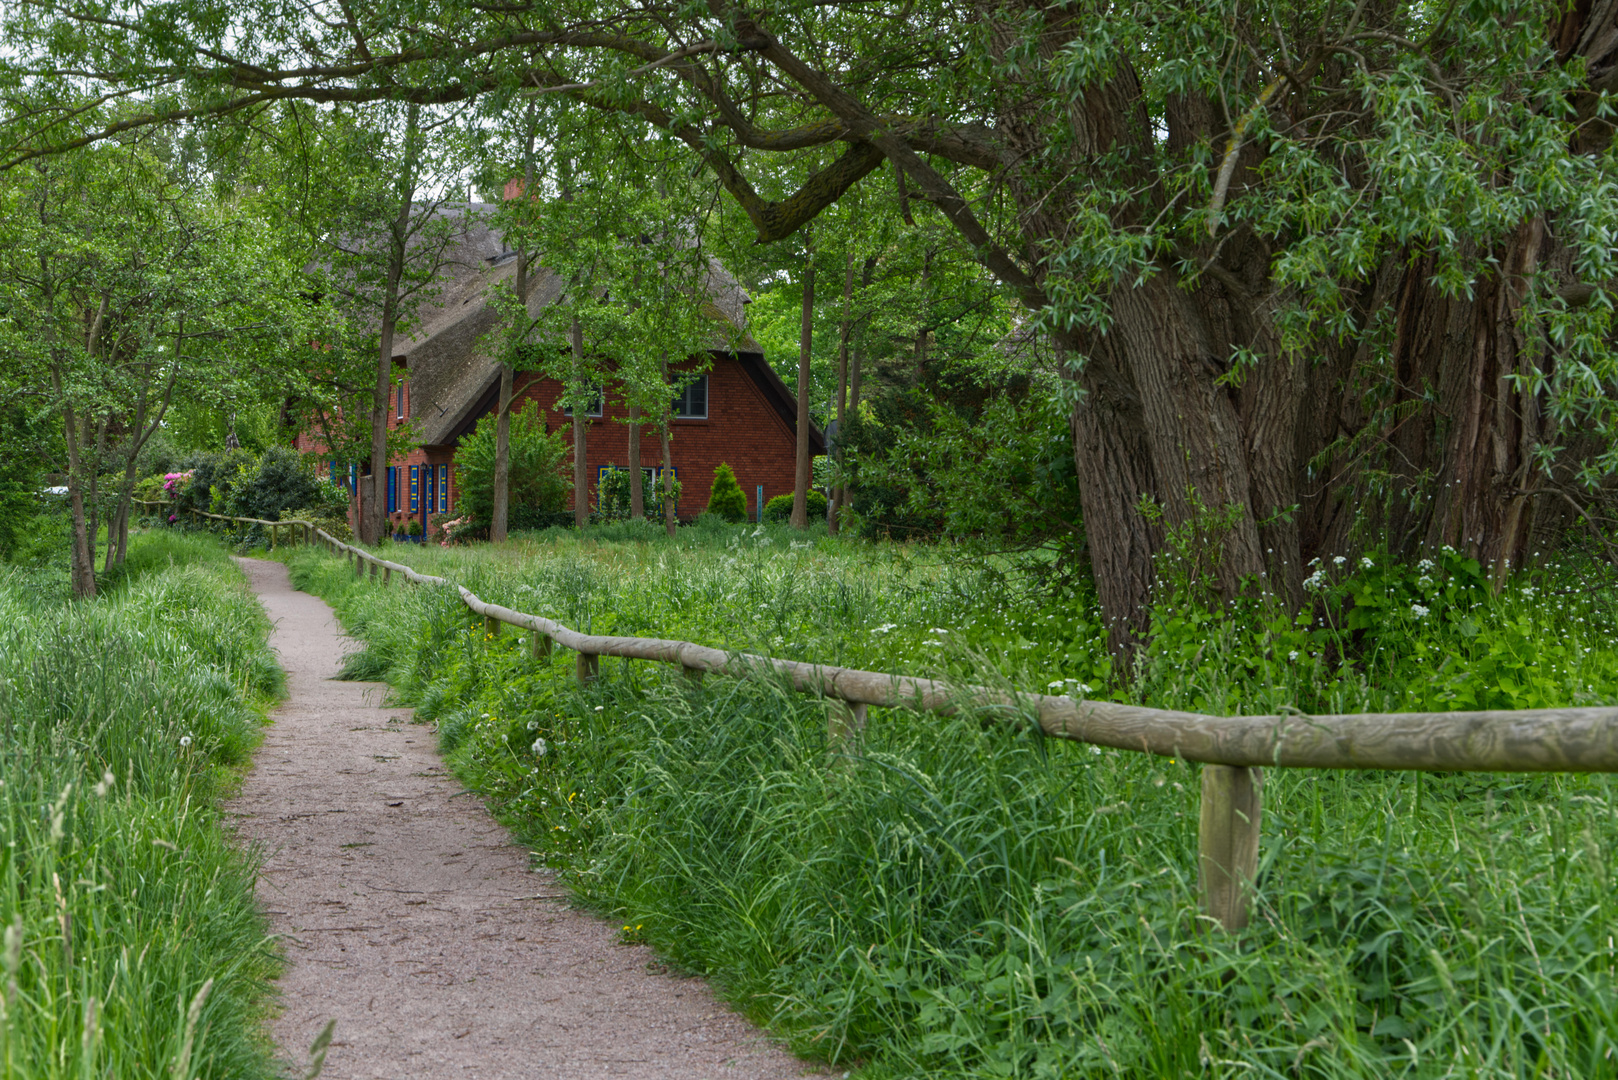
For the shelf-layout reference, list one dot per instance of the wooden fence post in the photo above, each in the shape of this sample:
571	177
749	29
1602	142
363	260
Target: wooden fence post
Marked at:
1227	848
491	626
274	531
541	646
387	574
845	723
693	676
589	668
373	571
359	564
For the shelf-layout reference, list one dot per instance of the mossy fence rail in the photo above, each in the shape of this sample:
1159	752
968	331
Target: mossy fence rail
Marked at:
1234	750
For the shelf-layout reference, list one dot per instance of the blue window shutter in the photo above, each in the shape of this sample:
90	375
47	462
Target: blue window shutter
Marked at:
415	488
443	489
393	488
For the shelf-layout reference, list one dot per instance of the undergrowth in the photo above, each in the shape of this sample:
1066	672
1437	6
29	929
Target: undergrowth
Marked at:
132	944
951	898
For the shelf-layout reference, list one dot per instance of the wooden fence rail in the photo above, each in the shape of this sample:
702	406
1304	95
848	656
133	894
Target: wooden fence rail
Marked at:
1233	749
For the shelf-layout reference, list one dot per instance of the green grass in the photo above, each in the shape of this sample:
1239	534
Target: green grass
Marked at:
132	946
960	899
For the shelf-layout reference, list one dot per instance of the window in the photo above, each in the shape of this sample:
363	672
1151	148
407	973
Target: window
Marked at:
402	399
692	404
595	404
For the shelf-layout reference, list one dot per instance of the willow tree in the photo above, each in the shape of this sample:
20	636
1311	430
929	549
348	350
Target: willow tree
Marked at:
1326	276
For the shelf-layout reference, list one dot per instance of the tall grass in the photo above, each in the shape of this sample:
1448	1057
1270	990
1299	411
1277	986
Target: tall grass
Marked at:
132	943
972	900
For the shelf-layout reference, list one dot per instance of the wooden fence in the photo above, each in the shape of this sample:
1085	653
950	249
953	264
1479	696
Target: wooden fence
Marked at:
1232	749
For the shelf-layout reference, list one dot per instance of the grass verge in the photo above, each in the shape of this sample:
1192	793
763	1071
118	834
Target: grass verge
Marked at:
967	900
133	947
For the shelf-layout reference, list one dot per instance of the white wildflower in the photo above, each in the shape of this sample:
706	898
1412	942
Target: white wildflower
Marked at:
185	740
533	725
539	747
1365	562
1418	611
1340	560
884	628
1293	655
600	707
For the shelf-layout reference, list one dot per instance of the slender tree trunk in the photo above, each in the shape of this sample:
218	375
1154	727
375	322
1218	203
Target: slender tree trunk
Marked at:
373	507
95	483
668	461
500	513
637	496
581	429
668	480
844	331
82	558
800	484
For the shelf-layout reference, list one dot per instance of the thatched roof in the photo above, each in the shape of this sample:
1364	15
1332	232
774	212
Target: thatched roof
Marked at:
451	373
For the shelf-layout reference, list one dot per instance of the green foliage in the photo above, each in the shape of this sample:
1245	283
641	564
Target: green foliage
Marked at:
962	899
275	482
780	507
123	719
997	475
726	498
613	501
538	480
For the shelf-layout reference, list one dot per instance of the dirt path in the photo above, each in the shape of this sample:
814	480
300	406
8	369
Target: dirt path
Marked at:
411	917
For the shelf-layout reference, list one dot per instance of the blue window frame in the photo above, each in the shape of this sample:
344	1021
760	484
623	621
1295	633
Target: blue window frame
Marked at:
415	488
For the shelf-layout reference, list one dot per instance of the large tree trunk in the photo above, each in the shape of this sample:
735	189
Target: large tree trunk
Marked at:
1466	463
806	338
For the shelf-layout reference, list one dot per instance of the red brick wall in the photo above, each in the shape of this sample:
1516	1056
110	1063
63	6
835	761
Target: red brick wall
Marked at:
741	430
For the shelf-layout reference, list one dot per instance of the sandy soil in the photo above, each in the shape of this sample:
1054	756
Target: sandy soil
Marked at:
411	917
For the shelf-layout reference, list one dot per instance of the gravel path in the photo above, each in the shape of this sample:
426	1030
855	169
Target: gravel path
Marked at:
411	917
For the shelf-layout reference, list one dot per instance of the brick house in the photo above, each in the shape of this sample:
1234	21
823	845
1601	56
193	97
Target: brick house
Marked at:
739	412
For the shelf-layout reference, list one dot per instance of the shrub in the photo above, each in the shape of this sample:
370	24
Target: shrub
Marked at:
536	480
780	507
727	499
